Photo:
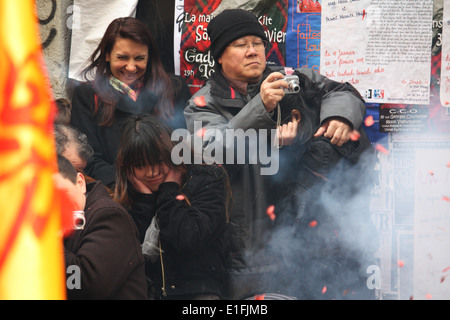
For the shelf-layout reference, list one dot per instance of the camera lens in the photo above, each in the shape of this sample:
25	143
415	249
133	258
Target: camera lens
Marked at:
78	220
294	87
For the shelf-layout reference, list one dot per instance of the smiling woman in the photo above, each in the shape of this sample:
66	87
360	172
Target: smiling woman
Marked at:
124	77
128	60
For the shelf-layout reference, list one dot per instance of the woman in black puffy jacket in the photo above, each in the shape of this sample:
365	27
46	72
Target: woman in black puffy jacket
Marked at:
184	207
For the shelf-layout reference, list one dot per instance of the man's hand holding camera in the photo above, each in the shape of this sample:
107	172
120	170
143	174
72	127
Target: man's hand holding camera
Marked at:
274	88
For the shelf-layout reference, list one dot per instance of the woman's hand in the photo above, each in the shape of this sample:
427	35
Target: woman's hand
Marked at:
174	175
139	185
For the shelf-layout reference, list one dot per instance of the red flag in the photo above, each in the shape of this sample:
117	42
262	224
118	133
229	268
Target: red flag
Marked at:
31	254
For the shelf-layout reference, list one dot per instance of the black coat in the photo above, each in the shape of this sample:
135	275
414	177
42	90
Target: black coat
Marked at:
105	140
107	251
193	233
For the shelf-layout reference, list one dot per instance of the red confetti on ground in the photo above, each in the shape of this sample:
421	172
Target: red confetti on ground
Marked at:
324	289
369	121
200	101
382	149
431	173
400	263
428	296
448	164
313	223
446	269
445	198
180	197
355	135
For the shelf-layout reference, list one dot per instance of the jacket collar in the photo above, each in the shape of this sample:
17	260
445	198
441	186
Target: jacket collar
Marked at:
222	89
95	191
145	103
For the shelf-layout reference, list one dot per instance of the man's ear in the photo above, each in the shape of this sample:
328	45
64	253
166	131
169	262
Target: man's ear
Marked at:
81	182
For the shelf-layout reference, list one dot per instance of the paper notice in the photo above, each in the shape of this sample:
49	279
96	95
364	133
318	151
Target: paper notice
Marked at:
432	223
382	47
445	60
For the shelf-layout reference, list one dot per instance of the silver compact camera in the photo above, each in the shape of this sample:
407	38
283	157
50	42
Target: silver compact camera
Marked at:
78	220
294	84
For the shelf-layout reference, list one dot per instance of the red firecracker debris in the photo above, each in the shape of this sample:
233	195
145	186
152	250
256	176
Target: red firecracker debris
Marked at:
380	148
313	223
200	133
445	198
200	101
369	121
400	263
355	135
320	176
428	296
431	173
271	212
324	289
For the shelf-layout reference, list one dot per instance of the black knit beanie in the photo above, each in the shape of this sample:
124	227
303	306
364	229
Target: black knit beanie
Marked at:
232	24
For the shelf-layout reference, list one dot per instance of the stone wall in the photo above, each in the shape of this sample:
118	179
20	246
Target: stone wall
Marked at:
55	24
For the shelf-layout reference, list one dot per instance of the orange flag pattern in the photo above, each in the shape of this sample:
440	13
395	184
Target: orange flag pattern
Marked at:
31	253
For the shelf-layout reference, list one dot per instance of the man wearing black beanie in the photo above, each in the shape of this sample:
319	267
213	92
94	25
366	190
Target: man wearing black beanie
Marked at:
244	93
230	25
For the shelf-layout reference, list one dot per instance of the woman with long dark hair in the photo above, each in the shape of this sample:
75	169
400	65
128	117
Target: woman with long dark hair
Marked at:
124	77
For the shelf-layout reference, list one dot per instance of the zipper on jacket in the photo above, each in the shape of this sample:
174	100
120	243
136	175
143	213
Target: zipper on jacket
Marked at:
163	289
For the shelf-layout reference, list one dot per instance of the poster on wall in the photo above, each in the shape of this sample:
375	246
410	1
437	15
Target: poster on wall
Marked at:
445	57
303	34
196	63
432	222
388	56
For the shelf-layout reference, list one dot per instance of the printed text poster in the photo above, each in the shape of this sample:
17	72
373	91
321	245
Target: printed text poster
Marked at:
196	63
386	54
303	34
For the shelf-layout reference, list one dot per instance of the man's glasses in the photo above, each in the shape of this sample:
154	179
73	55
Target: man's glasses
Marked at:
258	45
